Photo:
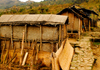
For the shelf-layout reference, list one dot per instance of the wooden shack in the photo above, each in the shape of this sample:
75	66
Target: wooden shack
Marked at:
91	14
47	30
79	21
75	21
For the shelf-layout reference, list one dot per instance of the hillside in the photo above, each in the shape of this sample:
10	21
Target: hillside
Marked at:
9	3
42	8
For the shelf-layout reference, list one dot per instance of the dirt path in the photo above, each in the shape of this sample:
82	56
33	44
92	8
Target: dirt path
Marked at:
83	58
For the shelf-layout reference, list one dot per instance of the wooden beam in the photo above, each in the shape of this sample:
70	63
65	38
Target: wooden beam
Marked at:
38	41
40	37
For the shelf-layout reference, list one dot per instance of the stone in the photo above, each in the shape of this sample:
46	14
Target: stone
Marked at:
72	68
89	64
89	68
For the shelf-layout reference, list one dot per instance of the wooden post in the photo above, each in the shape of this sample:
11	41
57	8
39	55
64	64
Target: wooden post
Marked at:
74	22
37	50
22	48
59	35
57	46
52	46
29	44
81	24
89	26
40	37
92	19
85	26
62	32
11	36
3	50
65	31
67	14
66	26
33	55
25	35
79	28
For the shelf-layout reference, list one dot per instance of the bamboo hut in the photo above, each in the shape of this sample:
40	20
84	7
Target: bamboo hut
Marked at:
47	30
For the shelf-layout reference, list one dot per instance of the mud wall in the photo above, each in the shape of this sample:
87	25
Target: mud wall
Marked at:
49	36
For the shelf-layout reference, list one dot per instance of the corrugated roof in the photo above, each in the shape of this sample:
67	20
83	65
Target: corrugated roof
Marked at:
34	19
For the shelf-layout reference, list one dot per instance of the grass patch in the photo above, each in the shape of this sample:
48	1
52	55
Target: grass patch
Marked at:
96	43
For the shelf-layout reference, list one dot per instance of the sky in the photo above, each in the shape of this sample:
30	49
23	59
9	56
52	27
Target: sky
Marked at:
31	0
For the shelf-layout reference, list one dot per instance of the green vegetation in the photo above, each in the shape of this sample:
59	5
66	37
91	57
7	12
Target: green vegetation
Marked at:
47	6
96	43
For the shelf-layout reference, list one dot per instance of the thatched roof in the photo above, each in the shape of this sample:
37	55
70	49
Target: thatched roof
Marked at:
47	19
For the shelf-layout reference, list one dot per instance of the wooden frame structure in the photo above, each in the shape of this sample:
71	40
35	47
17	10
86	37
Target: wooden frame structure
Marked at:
79	21
44	29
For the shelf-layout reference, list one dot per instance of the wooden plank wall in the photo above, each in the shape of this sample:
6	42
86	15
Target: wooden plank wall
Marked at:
75	24
71	21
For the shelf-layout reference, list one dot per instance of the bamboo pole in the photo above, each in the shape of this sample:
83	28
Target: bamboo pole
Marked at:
24	60
22	48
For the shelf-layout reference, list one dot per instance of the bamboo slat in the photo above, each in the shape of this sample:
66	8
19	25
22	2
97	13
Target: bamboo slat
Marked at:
65	56
24	60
